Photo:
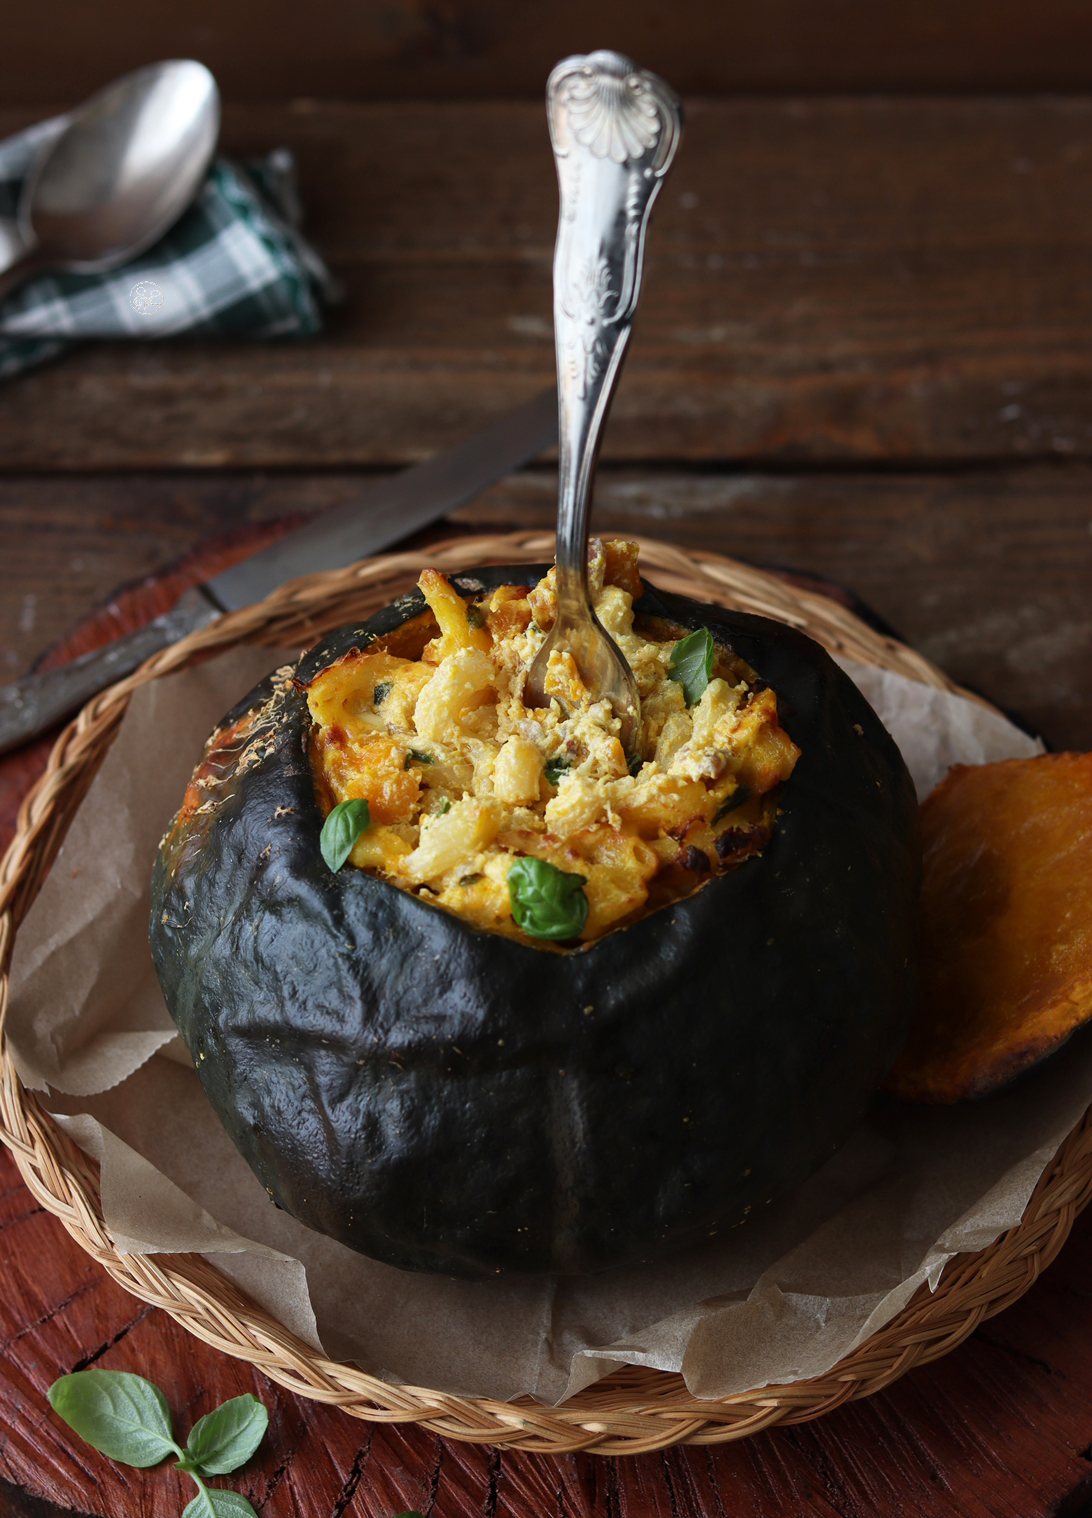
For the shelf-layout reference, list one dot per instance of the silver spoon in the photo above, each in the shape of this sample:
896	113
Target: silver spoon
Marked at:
614	130
119	173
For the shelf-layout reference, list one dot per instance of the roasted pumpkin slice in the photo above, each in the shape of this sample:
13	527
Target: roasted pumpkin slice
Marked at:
1006	925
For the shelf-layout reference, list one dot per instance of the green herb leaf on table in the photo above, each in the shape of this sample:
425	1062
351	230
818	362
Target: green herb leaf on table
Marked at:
121	1415
546	902
128	1419
341	830
218	1502
226	1438
692	663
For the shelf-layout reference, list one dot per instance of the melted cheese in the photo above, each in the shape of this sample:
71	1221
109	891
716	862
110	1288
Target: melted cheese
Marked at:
462	778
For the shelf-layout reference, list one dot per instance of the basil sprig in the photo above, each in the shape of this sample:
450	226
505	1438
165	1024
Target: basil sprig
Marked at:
127	1418
692	663
546	902
226	1438
341	830
555	768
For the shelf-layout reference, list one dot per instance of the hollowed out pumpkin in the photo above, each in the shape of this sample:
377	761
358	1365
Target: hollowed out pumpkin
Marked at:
447	1099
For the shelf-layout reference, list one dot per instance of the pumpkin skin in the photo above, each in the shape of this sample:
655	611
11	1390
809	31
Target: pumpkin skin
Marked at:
442	1098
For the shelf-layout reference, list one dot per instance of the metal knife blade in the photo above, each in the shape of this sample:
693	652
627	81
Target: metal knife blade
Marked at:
383	511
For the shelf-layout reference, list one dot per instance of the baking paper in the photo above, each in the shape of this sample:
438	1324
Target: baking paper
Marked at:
782	1299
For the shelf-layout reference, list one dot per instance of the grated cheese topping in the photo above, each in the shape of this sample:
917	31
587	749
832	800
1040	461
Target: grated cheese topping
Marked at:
461	778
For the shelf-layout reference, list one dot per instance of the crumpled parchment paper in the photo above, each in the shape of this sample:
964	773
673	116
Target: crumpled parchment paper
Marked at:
780	1300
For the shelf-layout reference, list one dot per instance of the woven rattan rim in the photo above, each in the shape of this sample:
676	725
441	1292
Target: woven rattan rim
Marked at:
635	1409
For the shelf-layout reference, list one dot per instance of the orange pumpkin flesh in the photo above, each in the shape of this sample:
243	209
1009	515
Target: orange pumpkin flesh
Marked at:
1006	925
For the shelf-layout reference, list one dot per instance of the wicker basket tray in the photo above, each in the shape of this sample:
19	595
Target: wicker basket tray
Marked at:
634	1409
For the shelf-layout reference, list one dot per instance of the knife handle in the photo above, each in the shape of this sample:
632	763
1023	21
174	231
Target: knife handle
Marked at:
38	701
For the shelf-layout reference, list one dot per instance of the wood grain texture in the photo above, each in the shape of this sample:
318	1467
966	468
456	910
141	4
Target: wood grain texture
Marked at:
407	49
999	1429
986	571
829	280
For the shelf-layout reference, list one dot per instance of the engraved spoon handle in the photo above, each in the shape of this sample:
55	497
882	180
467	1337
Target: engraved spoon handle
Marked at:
614	130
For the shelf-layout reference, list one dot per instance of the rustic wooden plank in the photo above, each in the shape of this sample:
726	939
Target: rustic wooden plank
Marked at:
67	544
387	49
835	279
986	571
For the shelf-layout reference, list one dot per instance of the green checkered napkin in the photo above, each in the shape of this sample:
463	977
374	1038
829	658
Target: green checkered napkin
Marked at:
233	264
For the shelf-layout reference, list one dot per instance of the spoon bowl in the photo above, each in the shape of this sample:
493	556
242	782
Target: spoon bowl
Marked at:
125	167
120	172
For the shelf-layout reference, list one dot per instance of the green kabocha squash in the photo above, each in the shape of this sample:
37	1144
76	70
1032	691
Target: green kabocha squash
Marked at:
444	1098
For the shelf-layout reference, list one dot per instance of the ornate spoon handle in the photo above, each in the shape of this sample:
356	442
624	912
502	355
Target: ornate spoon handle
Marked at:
614	130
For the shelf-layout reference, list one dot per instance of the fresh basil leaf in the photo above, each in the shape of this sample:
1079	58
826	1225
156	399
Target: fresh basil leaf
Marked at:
737	798
122	1415
555	768
692	663
444	807
380	691
416	757
226	1438
546	902
341	830
218	1502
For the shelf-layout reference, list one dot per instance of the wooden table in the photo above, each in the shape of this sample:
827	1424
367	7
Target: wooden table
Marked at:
865	352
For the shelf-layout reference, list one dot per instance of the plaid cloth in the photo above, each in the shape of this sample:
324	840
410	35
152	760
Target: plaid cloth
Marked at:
233	264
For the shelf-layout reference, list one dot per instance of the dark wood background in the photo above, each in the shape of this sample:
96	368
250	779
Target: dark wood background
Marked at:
503	49
846	281
864	352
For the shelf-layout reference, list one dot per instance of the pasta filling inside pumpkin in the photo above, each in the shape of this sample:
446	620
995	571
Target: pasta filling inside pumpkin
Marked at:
429	727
